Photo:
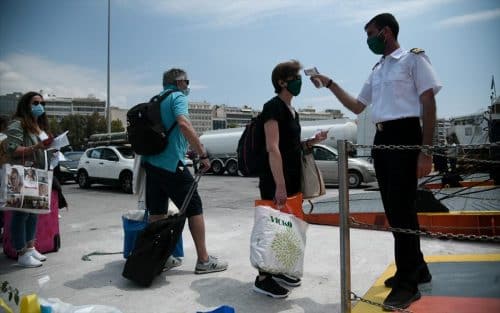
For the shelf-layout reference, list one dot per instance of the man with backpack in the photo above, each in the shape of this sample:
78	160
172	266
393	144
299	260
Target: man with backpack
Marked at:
166	173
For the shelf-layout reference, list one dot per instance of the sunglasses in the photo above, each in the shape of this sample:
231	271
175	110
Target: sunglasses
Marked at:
184	80
38	102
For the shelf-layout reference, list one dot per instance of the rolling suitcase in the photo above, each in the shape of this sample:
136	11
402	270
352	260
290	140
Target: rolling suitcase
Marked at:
155	244
47	237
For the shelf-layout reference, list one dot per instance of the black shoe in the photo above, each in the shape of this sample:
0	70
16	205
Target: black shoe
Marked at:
424	276
287	280
400	298
270	287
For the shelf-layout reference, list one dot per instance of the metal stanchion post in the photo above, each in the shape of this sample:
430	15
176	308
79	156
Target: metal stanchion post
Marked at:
345	253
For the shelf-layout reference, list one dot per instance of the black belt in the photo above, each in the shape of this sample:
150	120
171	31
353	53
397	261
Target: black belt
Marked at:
394	124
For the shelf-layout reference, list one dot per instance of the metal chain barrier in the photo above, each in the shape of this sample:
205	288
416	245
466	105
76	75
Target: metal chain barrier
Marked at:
355	297
432	150
347	221
439	235
426	147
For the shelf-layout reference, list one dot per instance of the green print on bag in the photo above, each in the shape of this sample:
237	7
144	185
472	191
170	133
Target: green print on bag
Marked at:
286	247
279	221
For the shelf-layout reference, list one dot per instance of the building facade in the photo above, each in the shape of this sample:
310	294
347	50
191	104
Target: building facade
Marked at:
200	115
8	103
203	115
119	114
310	114
88	106
238	117
57	107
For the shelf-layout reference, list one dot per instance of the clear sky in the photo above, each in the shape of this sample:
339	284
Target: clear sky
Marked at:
229	47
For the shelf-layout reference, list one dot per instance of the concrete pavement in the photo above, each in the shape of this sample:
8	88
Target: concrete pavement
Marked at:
93	223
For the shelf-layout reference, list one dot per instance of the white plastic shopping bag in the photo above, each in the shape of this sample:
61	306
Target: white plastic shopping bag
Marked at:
278	242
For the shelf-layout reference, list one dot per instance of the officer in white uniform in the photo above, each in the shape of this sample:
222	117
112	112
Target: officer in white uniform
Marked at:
400	89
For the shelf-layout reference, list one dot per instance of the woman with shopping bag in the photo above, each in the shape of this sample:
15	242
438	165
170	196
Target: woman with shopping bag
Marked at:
280	160
27	138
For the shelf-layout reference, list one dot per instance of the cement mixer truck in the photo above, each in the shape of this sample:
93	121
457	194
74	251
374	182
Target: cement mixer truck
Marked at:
222	144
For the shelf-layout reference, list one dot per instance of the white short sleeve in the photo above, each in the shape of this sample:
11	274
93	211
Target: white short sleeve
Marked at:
424	75
365	96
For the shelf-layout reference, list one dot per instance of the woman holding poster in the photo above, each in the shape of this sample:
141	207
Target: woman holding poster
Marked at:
27	137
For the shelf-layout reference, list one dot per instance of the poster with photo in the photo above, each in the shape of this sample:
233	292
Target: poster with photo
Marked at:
30	177
25	189
14	179
43	190
36	203
14	201
42	176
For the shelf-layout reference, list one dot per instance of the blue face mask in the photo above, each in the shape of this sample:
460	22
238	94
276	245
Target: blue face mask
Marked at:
37	110
186	91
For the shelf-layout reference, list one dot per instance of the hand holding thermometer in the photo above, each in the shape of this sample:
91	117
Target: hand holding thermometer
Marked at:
311	72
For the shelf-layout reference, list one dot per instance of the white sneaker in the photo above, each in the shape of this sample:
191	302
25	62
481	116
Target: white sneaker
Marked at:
172	262
27	260
37	255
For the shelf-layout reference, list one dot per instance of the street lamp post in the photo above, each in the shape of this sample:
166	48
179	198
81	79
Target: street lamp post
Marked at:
108	109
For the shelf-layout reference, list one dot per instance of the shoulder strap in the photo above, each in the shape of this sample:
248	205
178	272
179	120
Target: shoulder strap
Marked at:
171	128
417	50
160	99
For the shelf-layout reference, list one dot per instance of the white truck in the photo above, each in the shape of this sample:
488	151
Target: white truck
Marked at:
222	144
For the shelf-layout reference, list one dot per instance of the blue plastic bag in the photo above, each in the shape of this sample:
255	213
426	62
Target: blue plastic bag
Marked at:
221	309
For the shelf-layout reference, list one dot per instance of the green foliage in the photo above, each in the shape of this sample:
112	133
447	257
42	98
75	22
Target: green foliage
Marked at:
80	127
54	126
232	125
117	126
77	127
12	292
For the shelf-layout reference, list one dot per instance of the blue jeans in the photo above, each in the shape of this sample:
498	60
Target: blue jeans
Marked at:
179	249
23	229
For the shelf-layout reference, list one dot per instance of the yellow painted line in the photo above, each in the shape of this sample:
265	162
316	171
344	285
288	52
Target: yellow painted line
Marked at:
378	292
463	258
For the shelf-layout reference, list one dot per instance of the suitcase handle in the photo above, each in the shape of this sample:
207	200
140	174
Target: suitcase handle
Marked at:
190	193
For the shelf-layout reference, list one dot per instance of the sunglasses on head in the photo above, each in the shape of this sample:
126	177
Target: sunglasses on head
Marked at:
38	102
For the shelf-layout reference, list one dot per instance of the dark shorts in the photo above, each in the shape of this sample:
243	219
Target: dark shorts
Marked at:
162	185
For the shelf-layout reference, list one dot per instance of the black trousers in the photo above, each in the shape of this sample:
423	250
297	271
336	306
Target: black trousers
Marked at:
396	172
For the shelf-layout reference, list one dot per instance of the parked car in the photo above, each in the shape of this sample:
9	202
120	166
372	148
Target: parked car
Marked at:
68	169
359	170
109	165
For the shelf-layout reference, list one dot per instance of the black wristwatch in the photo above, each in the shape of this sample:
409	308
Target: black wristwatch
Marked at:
330	82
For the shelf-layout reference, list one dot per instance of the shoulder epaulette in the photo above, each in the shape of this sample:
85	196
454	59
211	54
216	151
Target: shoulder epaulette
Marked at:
417	50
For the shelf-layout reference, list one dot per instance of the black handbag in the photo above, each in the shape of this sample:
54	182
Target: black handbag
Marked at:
155	244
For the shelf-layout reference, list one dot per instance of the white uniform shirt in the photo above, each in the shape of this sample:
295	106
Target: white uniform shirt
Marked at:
395	85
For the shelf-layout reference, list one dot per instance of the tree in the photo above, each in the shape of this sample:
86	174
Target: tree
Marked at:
117	126
54	126
81	127
76	126
95	124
